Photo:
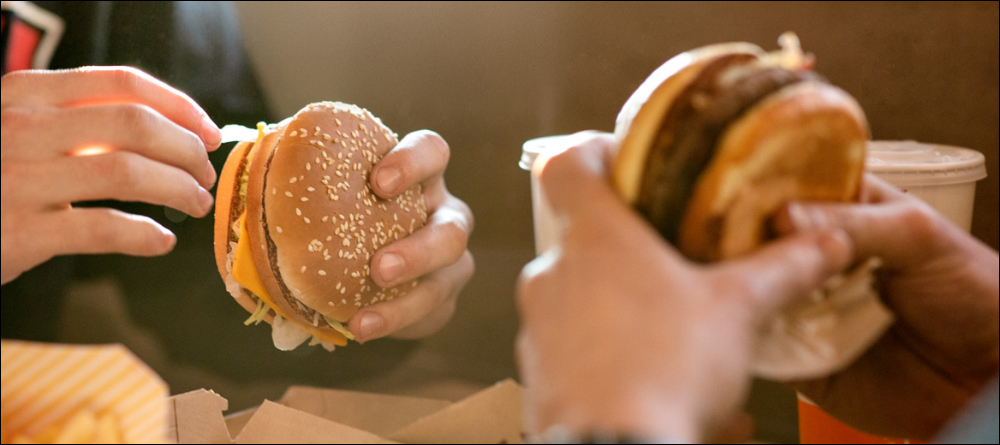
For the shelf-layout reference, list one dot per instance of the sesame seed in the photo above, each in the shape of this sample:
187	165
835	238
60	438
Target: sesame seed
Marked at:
288	194
305	199
326	218
274	191
317	132
322	273
298	212
309	166
303	269
307	220
327	137
294	133
337	121
293	180
279	229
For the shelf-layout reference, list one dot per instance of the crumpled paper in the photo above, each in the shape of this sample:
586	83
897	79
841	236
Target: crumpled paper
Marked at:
825	333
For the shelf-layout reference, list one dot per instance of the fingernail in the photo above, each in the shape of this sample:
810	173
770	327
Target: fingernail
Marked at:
390	267
210	174
371	326
388	179
210	134
206	200
169	241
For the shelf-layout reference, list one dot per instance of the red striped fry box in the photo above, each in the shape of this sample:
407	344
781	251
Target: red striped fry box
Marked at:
79	394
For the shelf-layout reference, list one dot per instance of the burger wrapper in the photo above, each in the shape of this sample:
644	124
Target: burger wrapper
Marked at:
318	416
43	386
826	333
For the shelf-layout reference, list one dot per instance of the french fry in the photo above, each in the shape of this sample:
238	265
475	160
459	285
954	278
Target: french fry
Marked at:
47	436
107	430
21	440
79	430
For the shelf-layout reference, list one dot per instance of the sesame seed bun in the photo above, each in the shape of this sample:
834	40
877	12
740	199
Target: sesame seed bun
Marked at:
316	221
717	139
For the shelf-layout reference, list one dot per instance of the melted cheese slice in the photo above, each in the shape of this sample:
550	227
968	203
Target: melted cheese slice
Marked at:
245	273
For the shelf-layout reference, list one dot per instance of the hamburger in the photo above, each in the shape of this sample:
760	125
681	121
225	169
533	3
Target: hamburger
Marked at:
297	223
717	139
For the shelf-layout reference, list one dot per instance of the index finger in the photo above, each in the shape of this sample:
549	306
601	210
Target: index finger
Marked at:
420	157
108	86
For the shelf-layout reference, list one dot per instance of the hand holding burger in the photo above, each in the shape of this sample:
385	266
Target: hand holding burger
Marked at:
306	243
623	335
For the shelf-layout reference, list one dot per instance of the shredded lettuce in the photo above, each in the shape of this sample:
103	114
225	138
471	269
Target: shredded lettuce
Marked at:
339	327
259	314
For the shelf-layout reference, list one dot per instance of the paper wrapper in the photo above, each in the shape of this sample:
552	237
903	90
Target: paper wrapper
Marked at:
42	386
324	416
826	333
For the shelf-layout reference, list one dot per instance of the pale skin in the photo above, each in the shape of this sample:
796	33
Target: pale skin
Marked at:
622	334
114	133
436	255
97	134
942	285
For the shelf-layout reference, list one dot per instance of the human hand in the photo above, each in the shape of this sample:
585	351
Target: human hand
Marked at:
942	284
96	134
621	334
436	254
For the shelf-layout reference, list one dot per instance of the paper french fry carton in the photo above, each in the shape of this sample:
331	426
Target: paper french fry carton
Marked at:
79	394
104	394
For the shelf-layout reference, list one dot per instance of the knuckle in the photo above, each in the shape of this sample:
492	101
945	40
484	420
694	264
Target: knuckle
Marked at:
100	229
126	79
122	169
920	221
437	144
454	235
137	120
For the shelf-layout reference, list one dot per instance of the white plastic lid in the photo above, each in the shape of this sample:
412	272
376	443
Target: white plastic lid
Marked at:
534	148
912	164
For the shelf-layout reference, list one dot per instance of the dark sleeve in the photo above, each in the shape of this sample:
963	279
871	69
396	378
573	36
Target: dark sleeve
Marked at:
980	423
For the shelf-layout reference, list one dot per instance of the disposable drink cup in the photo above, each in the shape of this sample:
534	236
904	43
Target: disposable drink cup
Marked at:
546	227
944	177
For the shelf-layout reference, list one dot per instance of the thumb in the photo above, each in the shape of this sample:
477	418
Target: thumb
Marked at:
789	269
574	174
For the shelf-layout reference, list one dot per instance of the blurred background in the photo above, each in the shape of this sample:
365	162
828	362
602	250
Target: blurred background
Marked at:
488	77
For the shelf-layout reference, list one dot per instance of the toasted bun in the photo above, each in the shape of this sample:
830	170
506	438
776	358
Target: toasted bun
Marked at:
641	116
804	143
317	221
227	212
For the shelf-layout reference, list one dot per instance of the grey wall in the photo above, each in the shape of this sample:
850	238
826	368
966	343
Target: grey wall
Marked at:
490	76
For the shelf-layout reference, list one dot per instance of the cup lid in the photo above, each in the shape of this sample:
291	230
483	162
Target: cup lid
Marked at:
534	148
909	163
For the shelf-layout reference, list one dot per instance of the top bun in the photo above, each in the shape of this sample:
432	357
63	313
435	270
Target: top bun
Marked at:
642	115
318	222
